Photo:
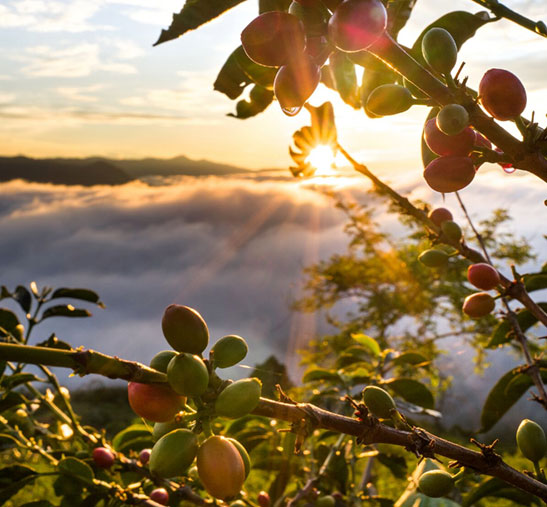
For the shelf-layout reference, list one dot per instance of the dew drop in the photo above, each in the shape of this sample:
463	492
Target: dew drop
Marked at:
291	111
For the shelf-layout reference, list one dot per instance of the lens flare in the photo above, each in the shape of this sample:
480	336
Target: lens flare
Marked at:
322	158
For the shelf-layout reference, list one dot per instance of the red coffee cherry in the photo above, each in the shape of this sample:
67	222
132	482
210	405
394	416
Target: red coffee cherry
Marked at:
103	457
144	456
319	49
263	499
357	24
449	174
156	403
483	276
502	94
273	38
160	495
478	305
441	144
439	215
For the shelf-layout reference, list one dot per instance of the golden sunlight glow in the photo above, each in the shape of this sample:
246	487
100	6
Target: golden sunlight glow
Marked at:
322	158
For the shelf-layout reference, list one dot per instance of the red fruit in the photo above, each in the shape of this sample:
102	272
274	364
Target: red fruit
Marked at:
480	140
103	457
144	456
478	305
294	84
273	38
483	276
441	144
154	402
440	215
502	94
357	24
309	3
449	174
263	499
319	49
160	495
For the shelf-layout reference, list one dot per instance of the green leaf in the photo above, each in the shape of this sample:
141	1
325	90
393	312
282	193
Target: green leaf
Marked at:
412	391
130	433
14	478
23	297
9	321
194	14
4	292
258	74
497	488
11	399
54	343
395	463
320	374
535	282
369	343
413	358
81	294
342	71
12	381
65	311
76	468
38	503
503	332
259	99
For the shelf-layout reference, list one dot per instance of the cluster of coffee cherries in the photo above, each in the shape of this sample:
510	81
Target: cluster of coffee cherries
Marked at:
481	275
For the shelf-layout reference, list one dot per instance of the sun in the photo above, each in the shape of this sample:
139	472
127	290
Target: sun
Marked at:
322	158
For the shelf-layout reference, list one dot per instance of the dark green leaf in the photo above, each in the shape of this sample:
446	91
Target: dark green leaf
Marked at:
130	433
342	71
38	503
273	5
76	468
54	343
395	463
11	399
4	292
413	358
81	294
497	488
535	282
320	374
370	344
258	74
412	391
398	13
12	381
259	99
194	14
13	478
9	321
93	500
23	297
232	80
65	311
503	332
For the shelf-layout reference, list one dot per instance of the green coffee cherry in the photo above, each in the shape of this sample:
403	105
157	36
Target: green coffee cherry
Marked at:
389	99
378	402
433	258
161	360
451	230
162	428
188	375
239	398
452	119
440	50
436	483
325	501
184	329
173	453
531	440
244	455
229	351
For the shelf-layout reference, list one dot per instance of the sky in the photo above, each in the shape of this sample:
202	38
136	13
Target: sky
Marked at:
81	78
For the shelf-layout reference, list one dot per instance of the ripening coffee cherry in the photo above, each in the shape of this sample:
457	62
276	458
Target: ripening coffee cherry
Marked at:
160	495
263	499
185	329
103	457
438	142
318	48
158	403
388	99
273	38
439	215
452	119
434	258
294	83
531	440
440	50
173	453
188	375
480	140
502	94
161	360
244	455
451	230
220	467
239	398
449	174
357	24
144	456
483	276
325	501
378	401
436	483
478	305
229	350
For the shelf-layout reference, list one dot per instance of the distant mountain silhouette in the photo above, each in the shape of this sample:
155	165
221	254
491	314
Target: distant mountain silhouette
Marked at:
103	171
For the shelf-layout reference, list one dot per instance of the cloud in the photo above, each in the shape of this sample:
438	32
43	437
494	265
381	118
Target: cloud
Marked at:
80	94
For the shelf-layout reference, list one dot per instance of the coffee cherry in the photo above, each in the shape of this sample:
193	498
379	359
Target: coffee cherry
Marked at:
478	305
244	455
173	453
185	329
220	467
388	99
154	402
452	119
229	350
379	402
239	398
263	499
449	174
294	83
163	428
312	17
452	231
531	440
144	456
440	50
436	483
439	215
357	24
483	276
188	375
161	360
502	94
103	457
318	48
480	140
439	143
433	258
160	495
325	501
273	38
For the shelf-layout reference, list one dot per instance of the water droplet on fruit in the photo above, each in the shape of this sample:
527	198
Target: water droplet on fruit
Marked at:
509	170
